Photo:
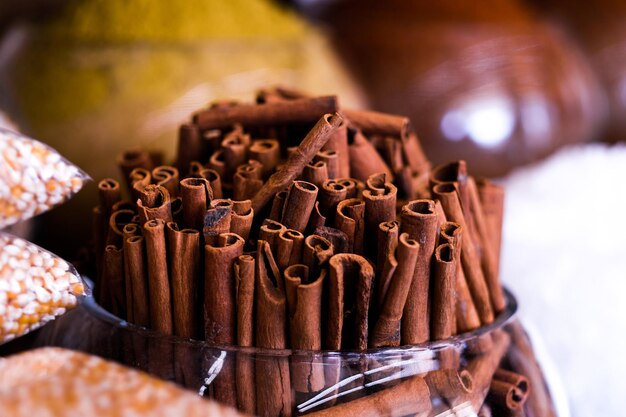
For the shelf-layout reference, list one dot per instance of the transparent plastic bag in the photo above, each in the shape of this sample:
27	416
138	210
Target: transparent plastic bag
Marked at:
33	178
35	287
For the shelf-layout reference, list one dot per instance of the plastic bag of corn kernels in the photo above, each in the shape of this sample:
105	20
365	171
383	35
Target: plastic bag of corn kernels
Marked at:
35	287
33	178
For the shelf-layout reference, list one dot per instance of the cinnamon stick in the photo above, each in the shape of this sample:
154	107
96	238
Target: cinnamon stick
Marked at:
443	322
354	188
522	360
410	397
213	177
492	199
466	316
380	206
364	159
217	219
387	329
113	277
270	231
304	301
508	392
298	205
220	315
331	159
386	263
234	150
154	203
331	194
316	253
451	385
196	194
158	286
273	391
338	143
248	180
419	220
184	264
451	203
267	152
129	160
456	173
218	164
241	219
489	257
305	110
278	203
167	177
137	180
244	294
348	315
289	246
189	145
339	240
109	193
315	173
316	220
350	219
483	367
136	274
244	368
309	146
116	222
219	288
278	93
372	122
130	230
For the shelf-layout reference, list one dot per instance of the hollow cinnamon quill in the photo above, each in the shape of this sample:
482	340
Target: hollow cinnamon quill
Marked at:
387	329
443	321
304	301
419	220
154	203
489	257
220	314
451	203
167	177
350	219
309	146
298	205
158	287
196	194
466	316
184	264
348	323
241	218
244	368
305	110
217	219
380	206
136	274
273	392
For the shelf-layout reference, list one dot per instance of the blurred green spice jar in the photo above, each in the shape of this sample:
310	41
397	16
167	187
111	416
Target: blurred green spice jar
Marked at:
103	76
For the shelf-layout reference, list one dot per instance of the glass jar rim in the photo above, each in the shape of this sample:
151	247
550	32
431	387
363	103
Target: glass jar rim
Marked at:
504	317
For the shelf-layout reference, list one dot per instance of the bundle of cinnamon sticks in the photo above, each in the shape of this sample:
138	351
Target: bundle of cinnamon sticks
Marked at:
293	224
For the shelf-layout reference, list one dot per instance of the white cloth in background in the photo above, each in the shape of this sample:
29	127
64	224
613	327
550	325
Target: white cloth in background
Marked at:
564	257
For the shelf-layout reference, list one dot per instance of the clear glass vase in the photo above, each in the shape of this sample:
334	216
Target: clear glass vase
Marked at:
462	376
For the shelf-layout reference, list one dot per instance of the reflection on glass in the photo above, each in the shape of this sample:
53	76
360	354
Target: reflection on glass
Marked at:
488	121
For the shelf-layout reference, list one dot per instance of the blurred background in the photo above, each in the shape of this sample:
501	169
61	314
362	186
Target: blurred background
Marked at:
530	92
